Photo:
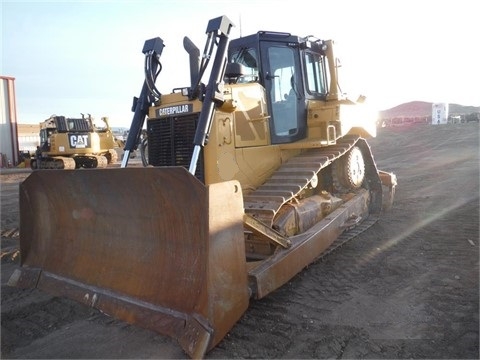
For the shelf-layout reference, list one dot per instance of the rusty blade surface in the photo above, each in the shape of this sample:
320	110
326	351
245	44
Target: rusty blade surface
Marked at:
140	244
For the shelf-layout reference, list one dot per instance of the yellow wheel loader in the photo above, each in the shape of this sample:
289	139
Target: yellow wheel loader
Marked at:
249	178
73	143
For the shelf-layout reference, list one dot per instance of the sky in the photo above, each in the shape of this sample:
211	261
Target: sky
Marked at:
72	57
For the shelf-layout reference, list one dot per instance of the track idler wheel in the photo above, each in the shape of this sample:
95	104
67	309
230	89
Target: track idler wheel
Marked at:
349	171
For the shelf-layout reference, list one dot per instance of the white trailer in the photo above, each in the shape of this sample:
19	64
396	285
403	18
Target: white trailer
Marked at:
439	113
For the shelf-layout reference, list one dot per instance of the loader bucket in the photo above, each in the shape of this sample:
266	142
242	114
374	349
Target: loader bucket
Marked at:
150	246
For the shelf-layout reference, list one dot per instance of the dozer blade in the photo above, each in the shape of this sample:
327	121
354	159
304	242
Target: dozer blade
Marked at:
150	246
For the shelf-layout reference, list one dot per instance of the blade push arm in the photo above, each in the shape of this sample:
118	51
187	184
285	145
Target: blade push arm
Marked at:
218	28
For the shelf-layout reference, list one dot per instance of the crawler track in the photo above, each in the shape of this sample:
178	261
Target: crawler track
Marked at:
292	177
75	162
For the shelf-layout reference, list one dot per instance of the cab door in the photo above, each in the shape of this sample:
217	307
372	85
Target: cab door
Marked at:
286	98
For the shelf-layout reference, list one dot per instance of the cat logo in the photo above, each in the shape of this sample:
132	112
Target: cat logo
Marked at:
78	141
175	110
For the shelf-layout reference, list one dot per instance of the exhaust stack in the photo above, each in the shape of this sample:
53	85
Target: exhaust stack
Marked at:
194	56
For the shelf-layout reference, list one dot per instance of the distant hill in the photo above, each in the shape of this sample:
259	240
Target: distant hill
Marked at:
422	108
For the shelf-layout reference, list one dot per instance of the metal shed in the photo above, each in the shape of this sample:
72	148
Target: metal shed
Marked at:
9	152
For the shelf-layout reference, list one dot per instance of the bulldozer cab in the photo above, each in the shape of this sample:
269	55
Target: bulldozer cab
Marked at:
291	69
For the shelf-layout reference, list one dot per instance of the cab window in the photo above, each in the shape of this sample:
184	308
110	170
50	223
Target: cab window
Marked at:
315	71
248	58
284	90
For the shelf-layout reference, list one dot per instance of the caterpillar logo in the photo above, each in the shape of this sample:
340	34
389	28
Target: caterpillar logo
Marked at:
175	110
78	141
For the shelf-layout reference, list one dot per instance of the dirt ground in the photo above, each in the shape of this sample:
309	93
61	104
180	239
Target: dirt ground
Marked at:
407	288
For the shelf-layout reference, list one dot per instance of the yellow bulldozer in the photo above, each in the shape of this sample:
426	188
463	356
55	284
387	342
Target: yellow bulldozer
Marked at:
73	143
250	177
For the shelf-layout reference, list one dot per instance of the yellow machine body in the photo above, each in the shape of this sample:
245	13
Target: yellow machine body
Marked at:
72	143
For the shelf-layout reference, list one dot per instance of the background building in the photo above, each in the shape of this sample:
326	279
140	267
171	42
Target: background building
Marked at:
9	151
28	137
